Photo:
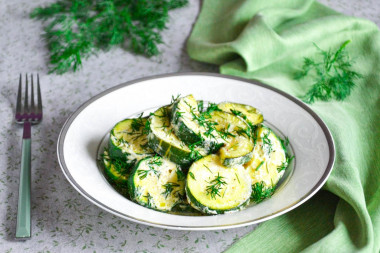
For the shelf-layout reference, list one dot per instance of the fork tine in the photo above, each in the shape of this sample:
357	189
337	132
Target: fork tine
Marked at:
39	99
26	106
18	106
32	96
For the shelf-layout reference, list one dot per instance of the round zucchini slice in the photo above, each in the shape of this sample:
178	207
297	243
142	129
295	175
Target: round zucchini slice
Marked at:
247	112
213	188
268	163
157	183
238	148
192	126
116	172
163	141
128	141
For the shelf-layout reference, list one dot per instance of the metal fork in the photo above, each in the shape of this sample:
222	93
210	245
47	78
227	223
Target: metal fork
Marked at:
27	115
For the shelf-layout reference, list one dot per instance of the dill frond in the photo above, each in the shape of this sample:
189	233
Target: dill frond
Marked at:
333	77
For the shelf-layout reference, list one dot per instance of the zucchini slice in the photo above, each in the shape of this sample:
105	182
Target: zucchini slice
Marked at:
192	126
238	148
128	141
252	115
163	141
213	188
157	183
116	172
268	163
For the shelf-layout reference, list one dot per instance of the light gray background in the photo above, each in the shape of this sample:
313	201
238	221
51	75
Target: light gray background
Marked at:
62	219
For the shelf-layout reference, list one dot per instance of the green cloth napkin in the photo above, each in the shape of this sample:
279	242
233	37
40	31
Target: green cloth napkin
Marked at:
267	41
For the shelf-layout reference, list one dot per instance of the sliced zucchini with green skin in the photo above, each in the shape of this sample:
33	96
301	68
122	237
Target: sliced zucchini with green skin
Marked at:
213	188
238	148
116	172
269	157
192	127
155	183
129	141
163	141
247	112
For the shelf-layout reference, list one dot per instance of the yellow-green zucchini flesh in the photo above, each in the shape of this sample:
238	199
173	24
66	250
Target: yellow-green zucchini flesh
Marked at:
213	188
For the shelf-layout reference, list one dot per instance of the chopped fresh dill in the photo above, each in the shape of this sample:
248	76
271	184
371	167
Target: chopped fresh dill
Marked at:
224	133
211	108
137	123
175	98
146	128
237	177
192	175
180	174
155	161
179	114
169	187
238	113
215	186
284	142
200	106
120	165
333	77
285	164
267	143
260	192
244	131
207	168
258	167
194	153
149	199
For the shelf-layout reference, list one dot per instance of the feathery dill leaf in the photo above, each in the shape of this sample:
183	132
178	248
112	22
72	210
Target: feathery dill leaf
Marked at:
215	186
76	29
260	192
334	78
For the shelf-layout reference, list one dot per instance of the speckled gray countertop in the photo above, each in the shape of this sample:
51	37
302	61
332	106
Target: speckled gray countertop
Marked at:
63	220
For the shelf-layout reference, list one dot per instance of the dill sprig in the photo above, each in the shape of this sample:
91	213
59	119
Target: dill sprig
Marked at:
180	175
267	143
333	75
77	29
137	123
215	186
169	187
285	164
152	164
149	199
260	192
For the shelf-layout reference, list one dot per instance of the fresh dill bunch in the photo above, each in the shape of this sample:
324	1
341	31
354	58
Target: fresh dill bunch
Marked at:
334	78
260	192
215	186
76	29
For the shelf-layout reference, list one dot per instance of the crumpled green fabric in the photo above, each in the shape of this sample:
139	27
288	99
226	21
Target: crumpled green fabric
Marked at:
267	41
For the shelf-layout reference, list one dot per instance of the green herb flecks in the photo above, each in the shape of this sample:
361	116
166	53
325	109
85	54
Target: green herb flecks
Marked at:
215	186
192	175
194	152
169	187
260	192
334	78
258	166
180	175
152	163
137	123
77	29
267	143
149	199
285	164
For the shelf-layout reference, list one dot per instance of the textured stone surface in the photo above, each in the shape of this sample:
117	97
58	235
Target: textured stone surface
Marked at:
62	219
